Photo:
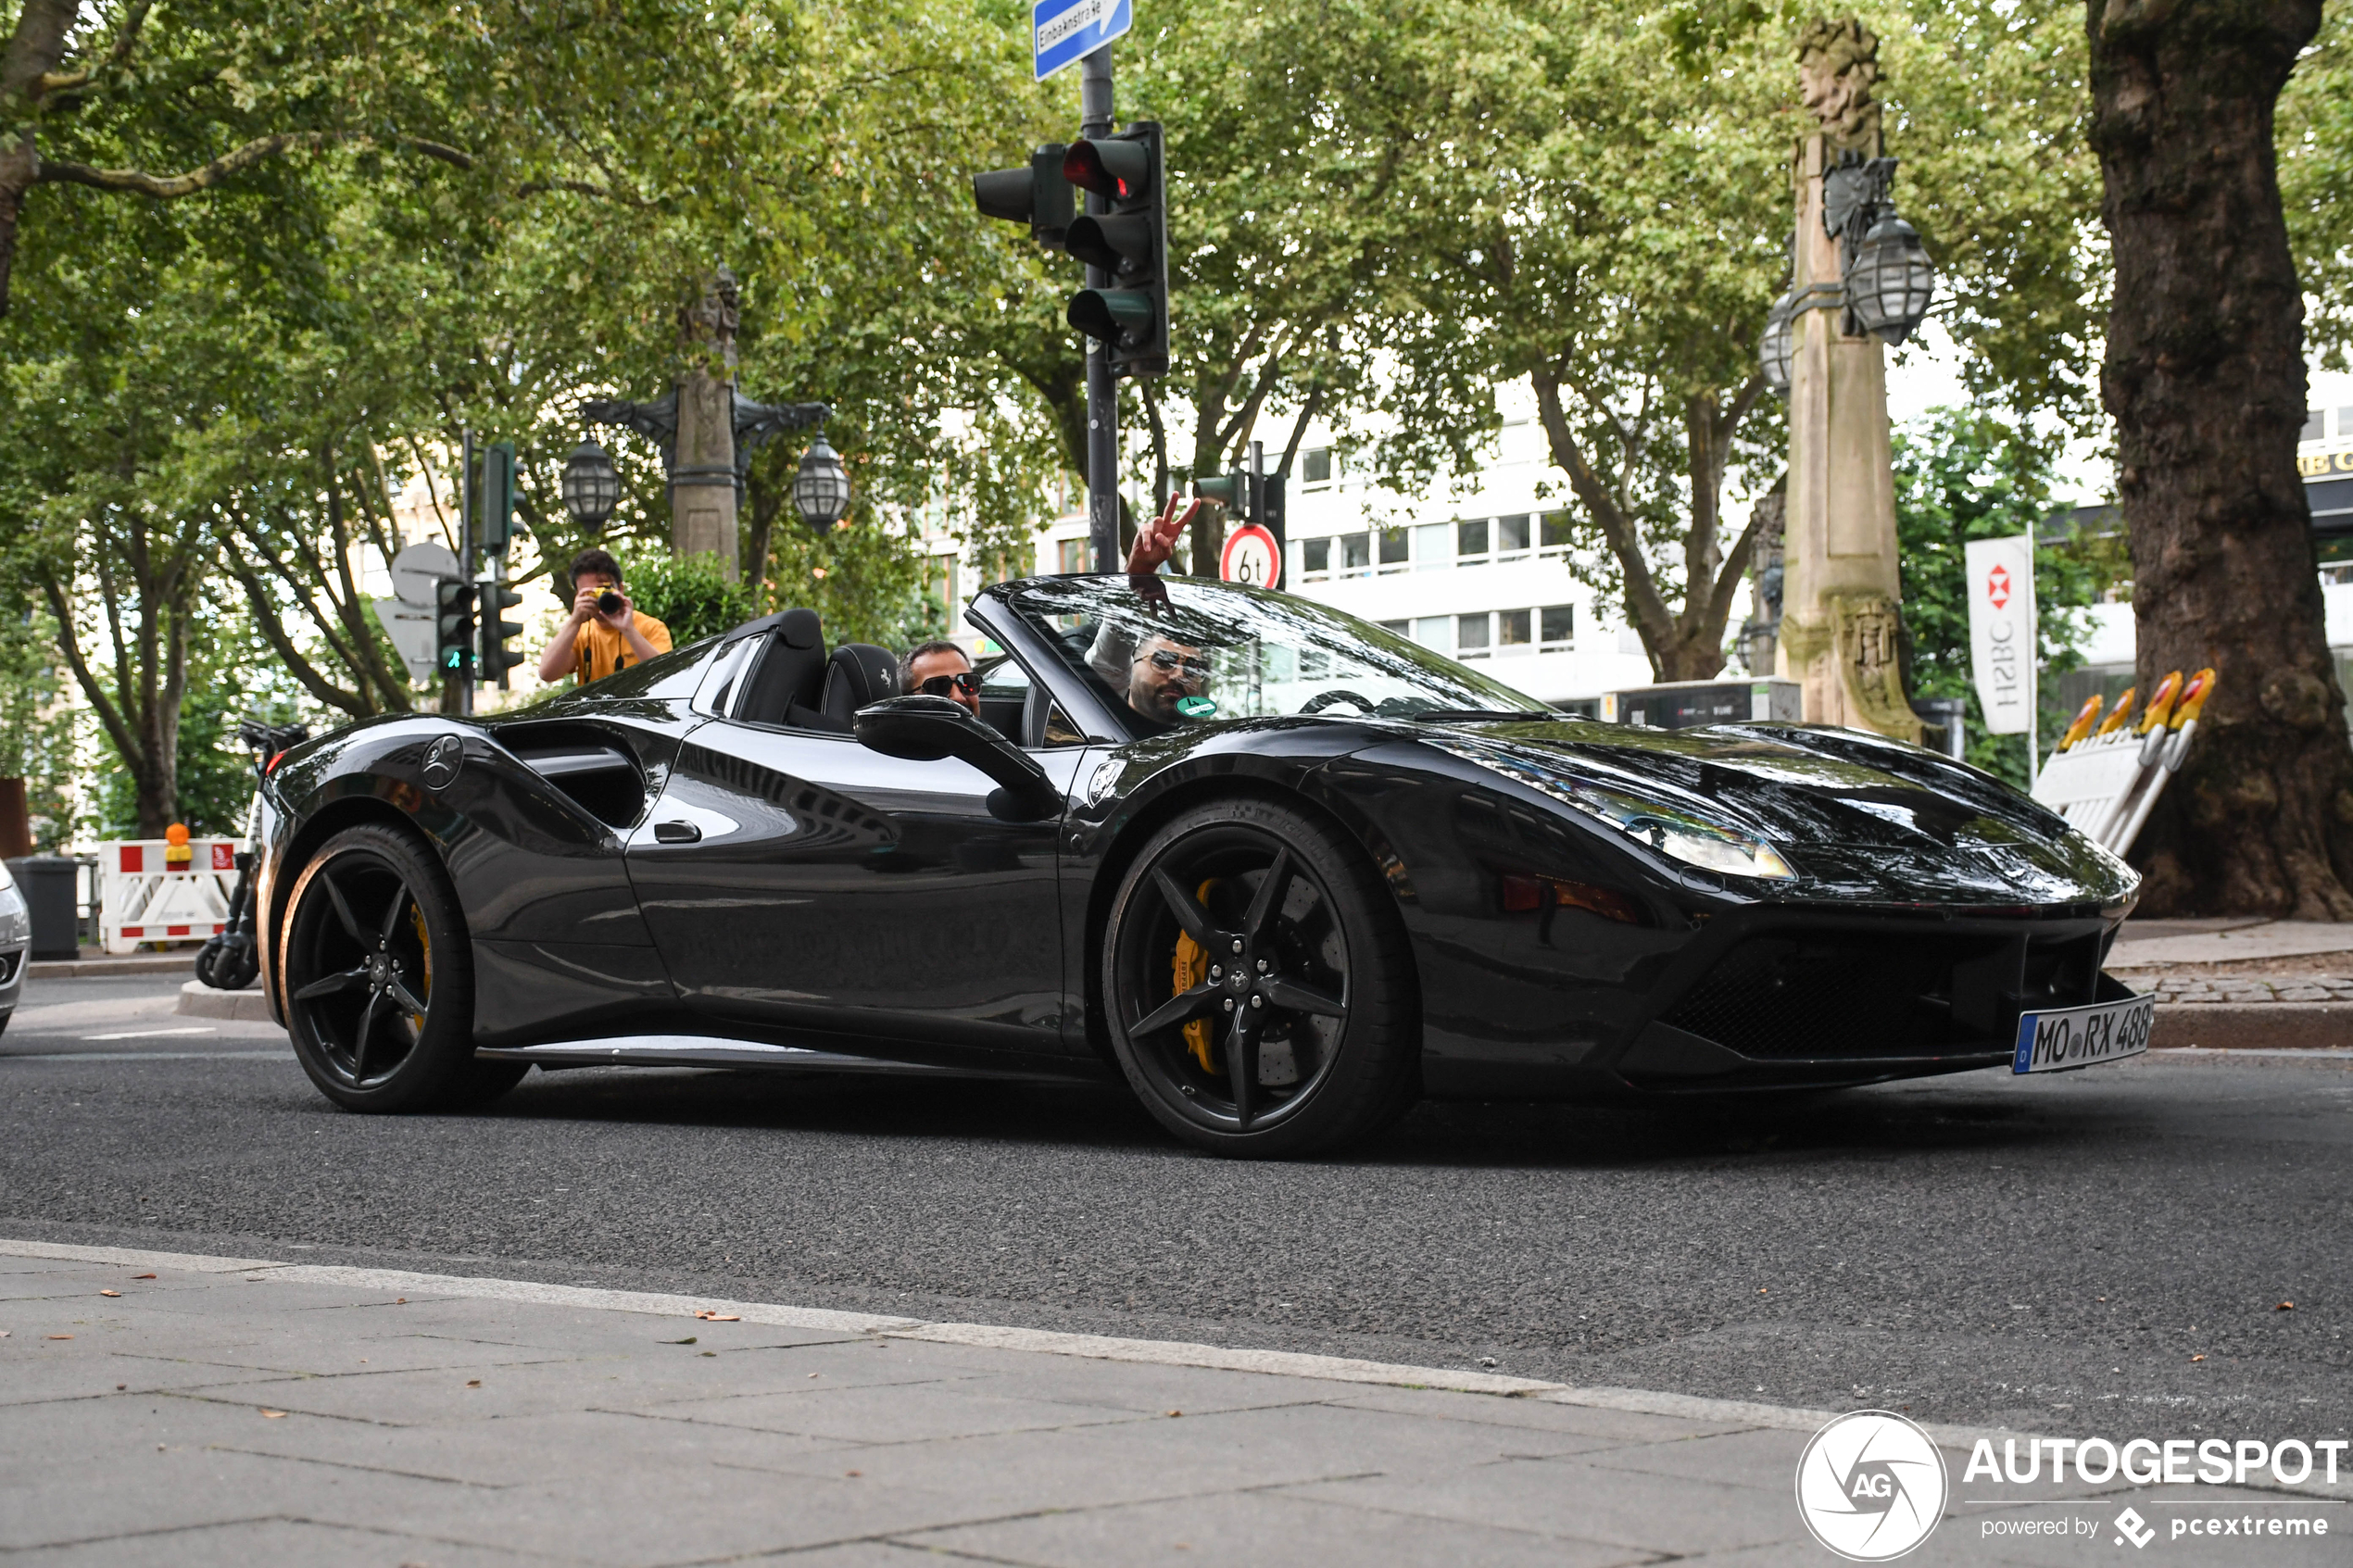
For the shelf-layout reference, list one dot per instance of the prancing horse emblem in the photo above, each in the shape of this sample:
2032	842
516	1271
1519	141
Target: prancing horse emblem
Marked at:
442	759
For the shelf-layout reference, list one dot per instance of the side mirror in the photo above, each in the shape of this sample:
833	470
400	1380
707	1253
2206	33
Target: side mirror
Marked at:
926	729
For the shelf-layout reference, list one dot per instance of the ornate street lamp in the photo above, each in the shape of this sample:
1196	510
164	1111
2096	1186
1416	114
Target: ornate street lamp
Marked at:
821	488
1890	279
591	487
1779	343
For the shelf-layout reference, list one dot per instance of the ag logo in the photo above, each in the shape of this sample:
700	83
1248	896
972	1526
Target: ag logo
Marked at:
1870	1486
442	759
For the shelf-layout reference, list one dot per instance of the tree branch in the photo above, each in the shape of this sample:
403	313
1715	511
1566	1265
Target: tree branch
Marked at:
1651	615
65	81
169	187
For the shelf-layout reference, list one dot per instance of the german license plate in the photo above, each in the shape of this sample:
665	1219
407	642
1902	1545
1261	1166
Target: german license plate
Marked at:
2069	1037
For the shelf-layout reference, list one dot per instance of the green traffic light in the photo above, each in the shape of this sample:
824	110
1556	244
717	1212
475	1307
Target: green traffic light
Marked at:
1112	314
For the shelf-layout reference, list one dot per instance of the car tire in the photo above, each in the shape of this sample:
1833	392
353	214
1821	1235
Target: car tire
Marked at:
1310	988
378	977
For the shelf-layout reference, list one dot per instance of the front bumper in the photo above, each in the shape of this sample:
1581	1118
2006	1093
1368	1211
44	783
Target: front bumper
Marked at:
1789	997
16	942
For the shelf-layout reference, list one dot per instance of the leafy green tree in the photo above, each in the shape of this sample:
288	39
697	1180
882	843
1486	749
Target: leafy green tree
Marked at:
2315	143
1962	474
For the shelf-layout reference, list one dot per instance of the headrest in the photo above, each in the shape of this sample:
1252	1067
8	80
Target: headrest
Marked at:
857	674
785	687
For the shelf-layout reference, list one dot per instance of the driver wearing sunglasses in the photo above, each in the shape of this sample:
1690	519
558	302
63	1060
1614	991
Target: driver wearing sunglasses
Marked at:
942	670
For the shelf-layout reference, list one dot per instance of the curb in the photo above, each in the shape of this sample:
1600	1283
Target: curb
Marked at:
1091	1347
200	1000
84	969
2274	1026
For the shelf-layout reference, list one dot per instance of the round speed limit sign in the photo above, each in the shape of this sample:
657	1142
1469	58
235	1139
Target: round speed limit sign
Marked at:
1250	558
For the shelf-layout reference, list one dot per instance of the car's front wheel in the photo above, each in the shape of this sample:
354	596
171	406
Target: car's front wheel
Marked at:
379	978
1257	984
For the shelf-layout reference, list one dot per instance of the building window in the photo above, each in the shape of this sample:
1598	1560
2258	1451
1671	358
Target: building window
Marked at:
1511	630
1471	636
1470	538
1402	628
1435	631
2315	425
1555	531
1392	549
1070	554
1556	624
940	584
1315	465
1511	537
1433	546
1355	554
1314	557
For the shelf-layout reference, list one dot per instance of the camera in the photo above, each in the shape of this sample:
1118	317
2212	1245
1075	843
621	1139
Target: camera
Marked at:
609	603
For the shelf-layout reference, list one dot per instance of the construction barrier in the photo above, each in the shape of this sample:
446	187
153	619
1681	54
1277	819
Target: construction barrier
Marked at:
2105	775
148	894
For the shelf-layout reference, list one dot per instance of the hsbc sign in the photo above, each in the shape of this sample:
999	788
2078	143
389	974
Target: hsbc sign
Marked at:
2002	631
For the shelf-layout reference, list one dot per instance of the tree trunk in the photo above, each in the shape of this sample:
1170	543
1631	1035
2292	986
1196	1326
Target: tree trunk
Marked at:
2205	380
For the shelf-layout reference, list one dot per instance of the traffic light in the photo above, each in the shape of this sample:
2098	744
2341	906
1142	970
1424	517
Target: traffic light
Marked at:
498	497
1267	508
1230	491
496	658
1130	243
1037	196
454	627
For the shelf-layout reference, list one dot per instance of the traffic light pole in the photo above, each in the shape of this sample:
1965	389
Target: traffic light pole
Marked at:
1103	388
458	690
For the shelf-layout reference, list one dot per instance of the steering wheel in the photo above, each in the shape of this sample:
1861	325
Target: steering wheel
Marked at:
1322	700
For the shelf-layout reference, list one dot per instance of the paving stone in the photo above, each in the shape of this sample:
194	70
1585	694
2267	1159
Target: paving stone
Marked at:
269	1543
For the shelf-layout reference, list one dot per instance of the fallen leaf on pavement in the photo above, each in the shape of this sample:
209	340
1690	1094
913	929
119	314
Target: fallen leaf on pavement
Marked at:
689	1340
274	1415
853	1473
62	1337
711	1353
2285	1307
473	1381
2197	1357
712	1314
121	1387
1175	1412
400	1300
110	1293
142	1276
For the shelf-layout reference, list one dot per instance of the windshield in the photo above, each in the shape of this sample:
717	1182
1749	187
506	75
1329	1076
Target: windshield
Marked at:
1179	650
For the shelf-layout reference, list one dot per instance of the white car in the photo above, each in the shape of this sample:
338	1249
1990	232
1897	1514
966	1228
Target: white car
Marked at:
15	941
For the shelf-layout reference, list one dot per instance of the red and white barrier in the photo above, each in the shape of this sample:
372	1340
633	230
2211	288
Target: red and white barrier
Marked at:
145	897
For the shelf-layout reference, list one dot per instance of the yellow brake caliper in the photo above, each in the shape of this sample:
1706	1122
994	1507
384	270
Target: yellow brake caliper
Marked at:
1193	966
417	919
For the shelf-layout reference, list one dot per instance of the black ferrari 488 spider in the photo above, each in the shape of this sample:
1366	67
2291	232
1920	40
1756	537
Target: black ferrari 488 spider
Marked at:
1282	870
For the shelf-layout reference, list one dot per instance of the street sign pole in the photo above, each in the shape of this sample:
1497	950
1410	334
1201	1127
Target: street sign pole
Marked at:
1103	389
457	689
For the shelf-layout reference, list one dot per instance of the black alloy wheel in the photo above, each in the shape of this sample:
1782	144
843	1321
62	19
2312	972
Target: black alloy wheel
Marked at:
379	979
1258	987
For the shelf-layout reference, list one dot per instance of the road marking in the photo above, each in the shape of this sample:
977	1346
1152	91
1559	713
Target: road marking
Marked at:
155	1034
1091	1347
147	1056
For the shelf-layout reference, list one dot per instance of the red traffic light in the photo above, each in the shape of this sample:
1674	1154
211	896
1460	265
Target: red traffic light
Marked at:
1118	171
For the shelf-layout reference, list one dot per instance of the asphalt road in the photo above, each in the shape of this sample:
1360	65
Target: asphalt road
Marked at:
2056	1254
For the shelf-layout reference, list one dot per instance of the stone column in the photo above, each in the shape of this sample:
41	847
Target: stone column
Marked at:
702	477
1842	590
702	467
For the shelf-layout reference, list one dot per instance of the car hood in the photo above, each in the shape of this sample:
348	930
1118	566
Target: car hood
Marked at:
1854	815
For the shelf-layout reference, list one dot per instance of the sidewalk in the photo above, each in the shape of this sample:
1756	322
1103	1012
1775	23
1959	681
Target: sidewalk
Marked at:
249	1411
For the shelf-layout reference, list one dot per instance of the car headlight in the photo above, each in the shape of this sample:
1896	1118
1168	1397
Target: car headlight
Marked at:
1675	832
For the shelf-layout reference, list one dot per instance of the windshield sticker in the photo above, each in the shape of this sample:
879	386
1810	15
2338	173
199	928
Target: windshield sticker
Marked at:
1195	707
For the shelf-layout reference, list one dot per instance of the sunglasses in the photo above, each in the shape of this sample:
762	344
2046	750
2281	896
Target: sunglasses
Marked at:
1168	658
938	685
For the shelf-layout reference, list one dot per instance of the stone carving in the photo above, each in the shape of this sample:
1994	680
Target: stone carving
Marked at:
1867	631
712	319
1837	68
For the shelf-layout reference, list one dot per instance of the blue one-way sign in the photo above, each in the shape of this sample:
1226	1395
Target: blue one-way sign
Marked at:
1064	31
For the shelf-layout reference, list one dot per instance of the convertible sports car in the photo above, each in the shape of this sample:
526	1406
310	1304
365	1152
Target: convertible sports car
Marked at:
1282	869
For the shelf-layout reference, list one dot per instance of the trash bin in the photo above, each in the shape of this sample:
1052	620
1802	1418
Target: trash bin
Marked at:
47	881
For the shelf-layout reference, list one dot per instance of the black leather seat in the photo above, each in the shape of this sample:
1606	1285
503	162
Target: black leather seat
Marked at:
788	685
857	674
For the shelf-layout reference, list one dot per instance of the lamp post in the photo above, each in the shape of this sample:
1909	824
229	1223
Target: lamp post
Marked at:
706	431
1861	279
591	487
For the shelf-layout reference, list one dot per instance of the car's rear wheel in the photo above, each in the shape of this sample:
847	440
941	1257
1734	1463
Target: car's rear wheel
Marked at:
1257	984
379	979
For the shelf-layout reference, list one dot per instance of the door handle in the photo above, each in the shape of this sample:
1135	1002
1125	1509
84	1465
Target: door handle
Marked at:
677	832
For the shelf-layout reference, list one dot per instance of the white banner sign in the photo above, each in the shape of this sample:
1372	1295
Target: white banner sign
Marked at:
2001	630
